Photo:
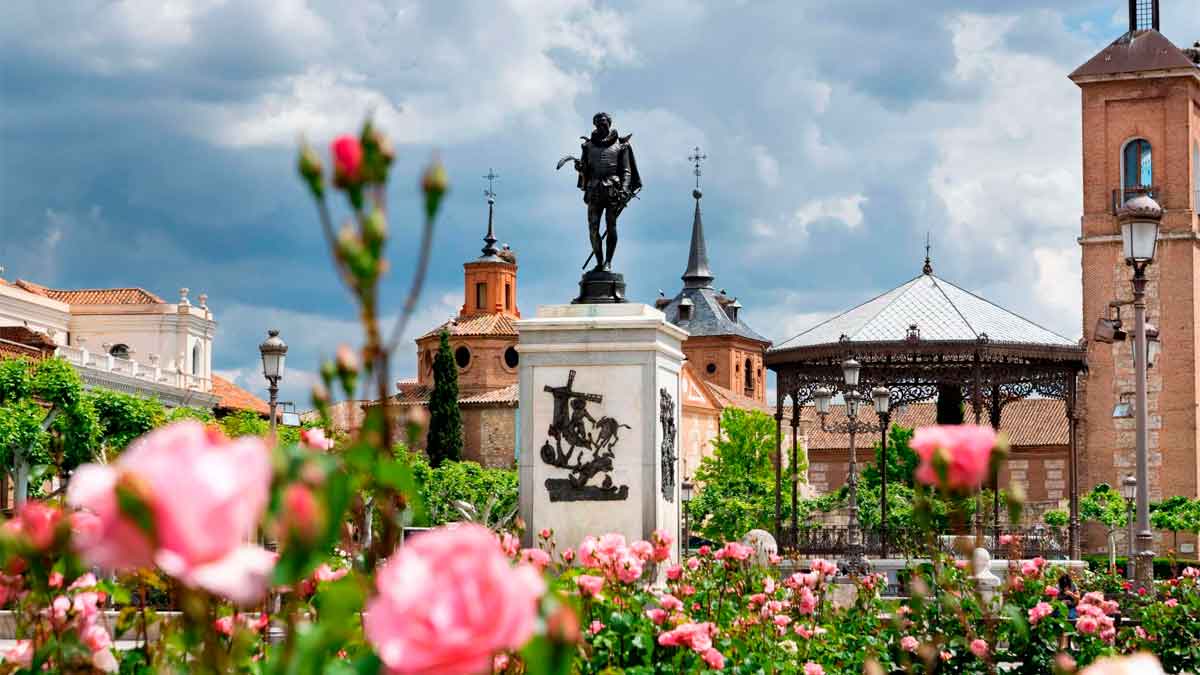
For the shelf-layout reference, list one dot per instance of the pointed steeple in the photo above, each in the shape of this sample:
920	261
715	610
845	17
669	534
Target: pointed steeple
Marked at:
489	249
698	274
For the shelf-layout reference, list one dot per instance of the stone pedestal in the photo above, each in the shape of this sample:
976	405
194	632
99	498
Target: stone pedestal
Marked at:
599	404
600	287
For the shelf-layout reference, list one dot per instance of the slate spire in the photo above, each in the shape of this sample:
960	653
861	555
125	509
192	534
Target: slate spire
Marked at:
698	274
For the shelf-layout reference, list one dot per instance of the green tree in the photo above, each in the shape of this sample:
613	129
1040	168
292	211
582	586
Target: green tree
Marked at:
1176	514
250	423
445	438
737	481
45	423
1107	507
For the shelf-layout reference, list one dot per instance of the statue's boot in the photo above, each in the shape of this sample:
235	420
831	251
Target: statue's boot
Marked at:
611	247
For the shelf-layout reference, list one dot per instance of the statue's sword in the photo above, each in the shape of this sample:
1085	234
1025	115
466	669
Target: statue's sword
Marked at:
604	237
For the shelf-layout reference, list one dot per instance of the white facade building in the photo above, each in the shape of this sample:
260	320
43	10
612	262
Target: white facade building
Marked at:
126	339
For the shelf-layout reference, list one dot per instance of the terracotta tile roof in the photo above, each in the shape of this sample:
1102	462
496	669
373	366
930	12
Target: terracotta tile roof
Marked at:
1136	52
411	393
479	324
729	398
93	296
234	397
1028	422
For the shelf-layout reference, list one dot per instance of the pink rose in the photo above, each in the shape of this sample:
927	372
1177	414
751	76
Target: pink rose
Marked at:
1051	591
21	654
714	659
589	586
693	564
1028	568
326	573
960	564
782	620
1191	573
909	643
629	568
1006	539
587	552
674	572
200	525
568	555
38	522
962	451
595	627
1171	602
610	546
224	625
500	663
450	599
55	580
735	551
1039	612
811	668
670	603
302	513
824	567
946	655
96	637
315	439
544	533
807	602
536	557
642	549
347	158
657	615
1087	624
979	647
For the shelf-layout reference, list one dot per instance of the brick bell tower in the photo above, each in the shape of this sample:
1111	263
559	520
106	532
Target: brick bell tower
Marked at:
1141	135
483	336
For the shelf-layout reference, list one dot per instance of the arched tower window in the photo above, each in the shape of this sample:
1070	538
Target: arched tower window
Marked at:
1137	167
121	351
197	363
748	371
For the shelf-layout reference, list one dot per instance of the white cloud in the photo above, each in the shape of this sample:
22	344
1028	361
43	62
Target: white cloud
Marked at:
767	166
846	210
434	74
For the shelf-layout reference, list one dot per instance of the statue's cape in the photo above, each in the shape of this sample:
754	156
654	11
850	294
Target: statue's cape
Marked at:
635	177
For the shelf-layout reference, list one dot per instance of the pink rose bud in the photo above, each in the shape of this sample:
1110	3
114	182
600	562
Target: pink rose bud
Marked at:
434	183
311	170
301	512
315	438
347	160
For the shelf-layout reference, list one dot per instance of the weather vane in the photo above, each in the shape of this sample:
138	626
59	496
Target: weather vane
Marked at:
696	158
928	267
491	176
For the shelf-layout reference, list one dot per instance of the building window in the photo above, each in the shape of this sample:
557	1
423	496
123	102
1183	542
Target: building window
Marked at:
1196	176
710	368
1137	166
507	296
121	351
197	362
462	356
511	357
749	377
480	295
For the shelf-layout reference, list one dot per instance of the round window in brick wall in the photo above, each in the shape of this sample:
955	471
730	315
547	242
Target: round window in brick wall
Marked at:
511	357
462	356
710	368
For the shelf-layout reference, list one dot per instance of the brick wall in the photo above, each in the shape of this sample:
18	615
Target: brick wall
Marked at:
1165	112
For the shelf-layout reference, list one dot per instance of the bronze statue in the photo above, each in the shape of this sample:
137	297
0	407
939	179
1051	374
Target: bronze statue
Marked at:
609	179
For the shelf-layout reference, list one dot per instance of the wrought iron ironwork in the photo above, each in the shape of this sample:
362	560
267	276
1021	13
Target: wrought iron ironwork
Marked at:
588	454
991	374
829	541
666	417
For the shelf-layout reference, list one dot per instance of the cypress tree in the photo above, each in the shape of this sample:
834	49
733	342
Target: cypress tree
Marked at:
445	439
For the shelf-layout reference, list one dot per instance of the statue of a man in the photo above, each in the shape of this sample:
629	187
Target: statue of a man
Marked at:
609	178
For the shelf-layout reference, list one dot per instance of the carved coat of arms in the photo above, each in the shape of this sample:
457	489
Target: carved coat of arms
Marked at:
583	445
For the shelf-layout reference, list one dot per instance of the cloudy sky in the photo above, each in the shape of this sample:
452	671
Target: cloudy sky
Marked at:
151	143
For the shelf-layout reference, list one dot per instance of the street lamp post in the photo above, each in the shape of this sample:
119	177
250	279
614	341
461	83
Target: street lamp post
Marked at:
685	497
854	562
274	353
882	398
1129	492
1140	218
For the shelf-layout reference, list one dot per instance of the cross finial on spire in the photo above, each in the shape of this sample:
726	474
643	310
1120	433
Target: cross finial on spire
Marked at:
696	158
928	267
490	192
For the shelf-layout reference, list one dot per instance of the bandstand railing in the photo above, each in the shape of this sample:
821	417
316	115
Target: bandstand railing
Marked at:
830	541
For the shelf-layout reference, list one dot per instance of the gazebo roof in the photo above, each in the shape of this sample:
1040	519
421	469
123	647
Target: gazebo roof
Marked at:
940	311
